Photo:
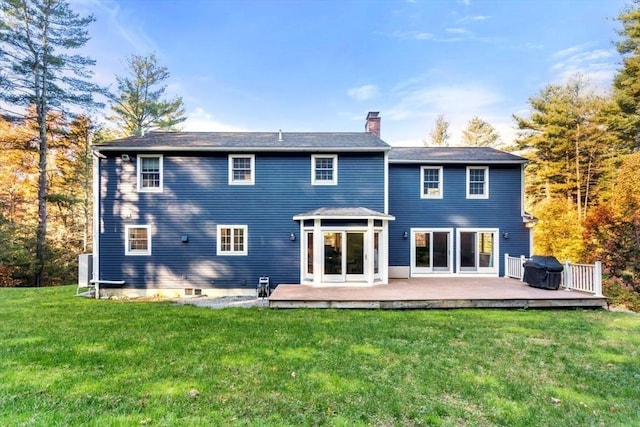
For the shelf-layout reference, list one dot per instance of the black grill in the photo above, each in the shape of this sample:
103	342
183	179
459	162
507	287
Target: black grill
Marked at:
543	272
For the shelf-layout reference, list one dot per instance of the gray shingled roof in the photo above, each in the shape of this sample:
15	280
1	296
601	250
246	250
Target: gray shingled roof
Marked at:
452	155
346	212
247	141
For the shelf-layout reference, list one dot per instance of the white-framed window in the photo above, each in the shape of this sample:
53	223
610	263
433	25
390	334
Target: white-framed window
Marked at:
232	240
477	182
242	169
137	240
149	173
431	182
324	169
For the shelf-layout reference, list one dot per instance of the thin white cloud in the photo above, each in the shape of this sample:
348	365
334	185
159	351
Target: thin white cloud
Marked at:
457	31
199	120
480	17
122	23
595	66
411	35
418	103
364	93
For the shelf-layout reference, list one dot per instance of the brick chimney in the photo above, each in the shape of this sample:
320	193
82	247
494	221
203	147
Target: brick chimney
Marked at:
373	123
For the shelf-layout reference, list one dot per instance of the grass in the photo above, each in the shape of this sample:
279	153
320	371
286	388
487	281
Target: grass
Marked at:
74	361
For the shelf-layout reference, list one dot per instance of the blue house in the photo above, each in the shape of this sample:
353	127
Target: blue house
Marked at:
212	212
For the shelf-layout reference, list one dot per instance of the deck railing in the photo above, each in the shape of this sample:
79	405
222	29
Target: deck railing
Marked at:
580	277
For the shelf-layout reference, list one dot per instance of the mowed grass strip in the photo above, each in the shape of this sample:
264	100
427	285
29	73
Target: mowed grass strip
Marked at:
66	360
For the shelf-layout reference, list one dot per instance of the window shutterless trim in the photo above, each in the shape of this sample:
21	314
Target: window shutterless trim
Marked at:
425	195
252	160
485	187
139	173
127	240
233	233
334	169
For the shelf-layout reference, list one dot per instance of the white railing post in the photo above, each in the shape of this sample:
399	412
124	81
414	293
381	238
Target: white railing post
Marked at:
522	260
568	277
597	279
507	266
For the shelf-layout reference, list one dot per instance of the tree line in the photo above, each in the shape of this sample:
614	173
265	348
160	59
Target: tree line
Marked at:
582	147
46	129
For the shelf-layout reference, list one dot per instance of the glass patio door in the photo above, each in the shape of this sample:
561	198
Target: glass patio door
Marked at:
344	258
477	251
431	251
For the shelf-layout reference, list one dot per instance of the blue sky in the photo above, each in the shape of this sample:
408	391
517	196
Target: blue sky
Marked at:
262	65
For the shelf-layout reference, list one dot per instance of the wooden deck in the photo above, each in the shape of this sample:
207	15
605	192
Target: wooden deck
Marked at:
454	292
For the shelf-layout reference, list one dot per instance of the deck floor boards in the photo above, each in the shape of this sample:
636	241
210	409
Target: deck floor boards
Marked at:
425	293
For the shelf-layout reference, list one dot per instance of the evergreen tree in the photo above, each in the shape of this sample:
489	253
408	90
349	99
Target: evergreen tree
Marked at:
139	103
36	69
567	141
479	133
440	134
626	83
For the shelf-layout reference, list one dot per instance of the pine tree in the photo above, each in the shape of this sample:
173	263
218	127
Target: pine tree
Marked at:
479	133
626	83
440	134
36	69
139	103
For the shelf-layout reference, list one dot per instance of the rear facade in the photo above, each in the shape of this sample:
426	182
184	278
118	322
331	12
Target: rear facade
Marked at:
214	212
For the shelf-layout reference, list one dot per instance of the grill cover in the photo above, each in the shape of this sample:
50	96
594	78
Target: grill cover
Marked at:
543	272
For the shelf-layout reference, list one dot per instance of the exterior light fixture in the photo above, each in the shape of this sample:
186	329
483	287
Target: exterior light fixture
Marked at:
405	235
505	235
292	237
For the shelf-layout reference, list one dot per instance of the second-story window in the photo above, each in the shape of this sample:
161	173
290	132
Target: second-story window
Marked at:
324	169
149	173
477	182
241	169
431	179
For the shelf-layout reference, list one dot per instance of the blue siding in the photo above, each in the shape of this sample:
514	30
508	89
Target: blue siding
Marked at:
501	210
197	197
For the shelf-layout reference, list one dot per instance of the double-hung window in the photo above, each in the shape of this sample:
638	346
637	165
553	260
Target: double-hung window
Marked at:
137	240
431	182
324	169
241	169
477	182
149	173
232	240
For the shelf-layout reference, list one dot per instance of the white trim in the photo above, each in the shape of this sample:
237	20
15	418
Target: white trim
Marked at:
232	227
136	252
423	271
96	221
485	195
252	149
440	194
491	271
334	180
139	187
252	159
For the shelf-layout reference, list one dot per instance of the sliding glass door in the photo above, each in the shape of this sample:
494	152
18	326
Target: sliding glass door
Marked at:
431	251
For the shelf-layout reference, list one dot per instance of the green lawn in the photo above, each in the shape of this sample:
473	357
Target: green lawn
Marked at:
66	360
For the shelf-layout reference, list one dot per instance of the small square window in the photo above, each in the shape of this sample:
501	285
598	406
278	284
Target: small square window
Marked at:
149	173
137	240
241	169
232	240
477	182
324	169
431	182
